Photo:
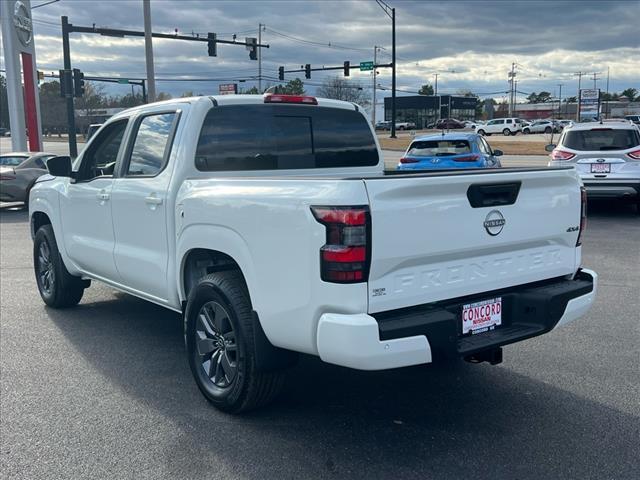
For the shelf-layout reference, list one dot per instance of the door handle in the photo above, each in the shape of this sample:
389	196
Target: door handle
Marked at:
103	196
153	200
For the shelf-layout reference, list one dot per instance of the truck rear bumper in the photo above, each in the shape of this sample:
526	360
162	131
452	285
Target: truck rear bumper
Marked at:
427	333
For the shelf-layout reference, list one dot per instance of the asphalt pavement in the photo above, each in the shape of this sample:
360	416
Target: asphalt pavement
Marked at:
104	391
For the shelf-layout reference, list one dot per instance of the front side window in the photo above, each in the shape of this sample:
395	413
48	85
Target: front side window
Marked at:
272	137
101	155
152	144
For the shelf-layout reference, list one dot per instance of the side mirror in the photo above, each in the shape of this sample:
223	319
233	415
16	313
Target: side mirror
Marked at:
550	147
497	153
59	166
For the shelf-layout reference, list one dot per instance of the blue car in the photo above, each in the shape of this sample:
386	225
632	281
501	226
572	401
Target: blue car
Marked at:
449	150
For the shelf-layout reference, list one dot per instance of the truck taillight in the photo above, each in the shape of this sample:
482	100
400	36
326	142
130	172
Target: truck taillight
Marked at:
346	256
583	215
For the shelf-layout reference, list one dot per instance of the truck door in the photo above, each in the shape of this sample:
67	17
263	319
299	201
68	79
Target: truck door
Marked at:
140	206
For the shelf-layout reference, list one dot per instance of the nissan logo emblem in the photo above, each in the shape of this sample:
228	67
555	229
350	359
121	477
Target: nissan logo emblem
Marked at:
494	223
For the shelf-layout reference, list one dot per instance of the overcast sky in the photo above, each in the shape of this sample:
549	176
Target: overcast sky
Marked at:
471	44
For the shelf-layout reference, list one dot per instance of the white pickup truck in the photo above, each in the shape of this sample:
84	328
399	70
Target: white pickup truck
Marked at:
268	223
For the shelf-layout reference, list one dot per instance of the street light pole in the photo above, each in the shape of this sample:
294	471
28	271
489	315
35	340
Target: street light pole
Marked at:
260	59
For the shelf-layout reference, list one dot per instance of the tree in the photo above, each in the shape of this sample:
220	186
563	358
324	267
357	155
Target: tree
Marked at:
541	97
252	91
426	89
188	93
163	96
347	90
294	87
630	93
52	108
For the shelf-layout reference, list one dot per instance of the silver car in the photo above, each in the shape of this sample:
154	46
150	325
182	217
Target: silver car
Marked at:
606	155
18	173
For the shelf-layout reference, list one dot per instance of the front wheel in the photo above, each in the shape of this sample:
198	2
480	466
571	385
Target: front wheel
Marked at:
57	287
220	345
481	132
526	131
547	130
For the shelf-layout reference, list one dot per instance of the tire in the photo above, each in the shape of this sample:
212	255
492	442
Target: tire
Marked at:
57	287
481	132
526	131
219	325
506	132
547	130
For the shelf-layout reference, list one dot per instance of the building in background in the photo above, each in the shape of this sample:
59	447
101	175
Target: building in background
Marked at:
426	109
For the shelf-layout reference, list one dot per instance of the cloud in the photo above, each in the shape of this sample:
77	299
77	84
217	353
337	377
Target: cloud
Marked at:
471	44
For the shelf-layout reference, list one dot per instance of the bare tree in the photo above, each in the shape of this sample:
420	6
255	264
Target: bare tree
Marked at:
347	90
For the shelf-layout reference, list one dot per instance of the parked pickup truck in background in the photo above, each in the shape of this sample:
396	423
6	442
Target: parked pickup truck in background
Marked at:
268	223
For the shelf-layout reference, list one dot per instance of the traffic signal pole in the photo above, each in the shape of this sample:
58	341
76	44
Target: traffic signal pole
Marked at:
393	73
71	119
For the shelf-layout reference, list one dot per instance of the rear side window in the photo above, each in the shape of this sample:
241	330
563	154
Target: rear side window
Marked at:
152	144
439	148
601	139
11	161
279	137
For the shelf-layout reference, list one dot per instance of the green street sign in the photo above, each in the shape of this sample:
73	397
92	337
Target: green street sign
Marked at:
364	66
123	80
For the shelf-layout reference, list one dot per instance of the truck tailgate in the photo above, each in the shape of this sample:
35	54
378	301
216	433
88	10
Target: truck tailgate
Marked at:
429	243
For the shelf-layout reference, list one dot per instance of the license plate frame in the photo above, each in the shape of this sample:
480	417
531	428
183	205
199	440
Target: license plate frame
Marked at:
481	316
600	168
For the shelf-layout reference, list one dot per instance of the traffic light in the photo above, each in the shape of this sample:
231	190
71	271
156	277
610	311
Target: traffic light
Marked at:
66	83
281	73
307	71
78	83
346	68
252	46
212	45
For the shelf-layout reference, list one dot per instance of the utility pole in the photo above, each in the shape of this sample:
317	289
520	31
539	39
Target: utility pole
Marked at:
435	90
579	74
375	63
560	100
260	26
595	78
512	77
393	73
148	50
606	108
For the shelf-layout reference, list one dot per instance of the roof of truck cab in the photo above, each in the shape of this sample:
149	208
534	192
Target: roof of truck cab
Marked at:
223	100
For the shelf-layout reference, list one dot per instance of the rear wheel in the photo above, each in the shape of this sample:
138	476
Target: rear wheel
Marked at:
220	345
506	132
481	132
57	287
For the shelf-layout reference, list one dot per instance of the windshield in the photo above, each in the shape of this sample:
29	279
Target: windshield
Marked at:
439	148
601	139
11	161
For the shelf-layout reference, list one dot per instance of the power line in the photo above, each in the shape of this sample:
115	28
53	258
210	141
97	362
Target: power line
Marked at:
315	43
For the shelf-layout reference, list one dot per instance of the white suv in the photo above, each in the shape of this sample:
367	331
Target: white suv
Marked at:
506	126
606	155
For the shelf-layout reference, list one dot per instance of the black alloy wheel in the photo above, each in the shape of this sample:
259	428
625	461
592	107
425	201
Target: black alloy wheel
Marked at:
217	351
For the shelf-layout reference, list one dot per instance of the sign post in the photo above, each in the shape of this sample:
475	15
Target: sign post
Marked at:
20	55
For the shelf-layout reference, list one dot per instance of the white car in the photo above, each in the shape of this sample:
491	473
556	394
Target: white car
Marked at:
606	155
505	126
542	126
268	223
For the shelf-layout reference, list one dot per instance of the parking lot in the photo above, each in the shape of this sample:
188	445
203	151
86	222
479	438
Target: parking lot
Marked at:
104	391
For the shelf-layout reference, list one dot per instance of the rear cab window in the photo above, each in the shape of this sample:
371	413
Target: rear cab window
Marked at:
283	137
601	139
438	148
